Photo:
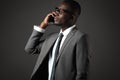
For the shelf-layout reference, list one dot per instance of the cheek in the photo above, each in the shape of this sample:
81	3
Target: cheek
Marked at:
63	19
60	19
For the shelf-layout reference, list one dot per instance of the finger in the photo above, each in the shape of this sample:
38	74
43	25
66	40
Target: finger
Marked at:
55	14
50	14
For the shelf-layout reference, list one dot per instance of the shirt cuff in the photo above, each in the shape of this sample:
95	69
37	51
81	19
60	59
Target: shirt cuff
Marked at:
37	28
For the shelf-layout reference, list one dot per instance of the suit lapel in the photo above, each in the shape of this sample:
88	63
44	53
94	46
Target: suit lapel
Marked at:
48	46
69	36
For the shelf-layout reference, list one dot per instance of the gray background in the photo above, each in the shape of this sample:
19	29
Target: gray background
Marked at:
99	19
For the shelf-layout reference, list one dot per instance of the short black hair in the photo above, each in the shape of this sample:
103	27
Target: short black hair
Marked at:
75	6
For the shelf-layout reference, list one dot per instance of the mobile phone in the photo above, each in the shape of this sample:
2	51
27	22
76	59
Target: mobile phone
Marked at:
51	19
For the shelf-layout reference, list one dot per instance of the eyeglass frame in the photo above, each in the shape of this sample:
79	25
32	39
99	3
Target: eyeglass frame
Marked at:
63	11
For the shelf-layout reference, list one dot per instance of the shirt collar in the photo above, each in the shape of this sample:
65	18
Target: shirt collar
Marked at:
67	31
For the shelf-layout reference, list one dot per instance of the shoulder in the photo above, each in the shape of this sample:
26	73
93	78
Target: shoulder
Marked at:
80	34
81	37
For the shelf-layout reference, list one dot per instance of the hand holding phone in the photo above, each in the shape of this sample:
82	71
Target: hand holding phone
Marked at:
51	19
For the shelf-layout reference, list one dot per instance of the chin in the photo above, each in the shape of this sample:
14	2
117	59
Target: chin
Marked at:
56	23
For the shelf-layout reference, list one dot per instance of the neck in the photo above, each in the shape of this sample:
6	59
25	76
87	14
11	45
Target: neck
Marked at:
65	27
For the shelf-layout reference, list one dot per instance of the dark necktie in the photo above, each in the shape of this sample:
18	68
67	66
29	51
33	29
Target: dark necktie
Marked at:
56	54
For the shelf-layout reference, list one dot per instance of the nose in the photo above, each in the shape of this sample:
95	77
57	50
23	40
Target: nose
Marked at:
56	13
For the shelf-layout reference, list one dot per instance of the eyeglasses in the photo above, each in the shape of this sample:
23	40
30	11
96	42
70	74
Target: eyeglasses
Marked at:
61	11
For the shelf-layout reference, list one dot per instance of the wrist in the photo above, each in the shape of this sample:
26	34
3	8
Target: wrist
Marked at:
43	25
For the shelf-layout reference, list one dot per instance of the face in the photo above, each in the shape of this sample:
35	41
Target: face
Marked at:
64	15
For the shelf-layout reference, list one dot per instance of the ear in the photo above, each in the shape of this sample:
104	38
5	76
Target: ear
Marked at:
73	18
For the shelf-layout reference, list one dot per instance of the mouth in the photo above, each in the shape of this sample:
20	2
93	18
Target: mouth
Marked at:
55	19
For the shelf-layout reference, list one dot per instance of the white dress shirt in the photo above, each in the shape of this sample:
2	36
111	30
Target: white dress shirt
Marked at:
51	56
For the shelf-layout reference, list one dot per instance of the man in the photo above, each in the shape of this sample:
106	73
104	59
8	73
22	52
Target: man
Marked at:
69	59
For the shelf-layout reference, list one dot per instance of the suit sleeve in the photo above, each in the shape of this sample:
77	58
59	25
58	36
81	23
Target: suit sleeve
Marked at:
34	43
82	60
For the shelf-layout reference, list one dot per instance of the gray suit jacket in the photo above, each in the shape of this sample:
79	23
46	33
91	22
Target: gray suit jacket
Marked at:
72	61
